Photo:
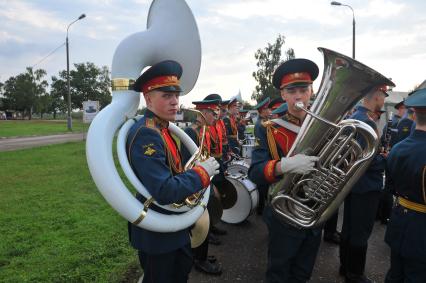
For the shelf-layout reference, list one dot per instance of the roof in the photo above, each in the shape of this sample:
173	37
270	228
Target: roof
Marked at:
395	97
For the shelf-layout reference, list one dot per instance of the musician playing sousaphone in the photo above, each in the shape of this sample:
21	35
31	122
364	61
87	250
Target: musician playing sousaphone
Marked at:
292	251
156	160
203	130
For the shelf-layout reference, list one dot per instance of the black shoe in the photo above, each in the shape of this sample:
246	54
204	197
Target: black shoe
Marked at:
332	238
211	258
217	231
208	267
213	240
356	278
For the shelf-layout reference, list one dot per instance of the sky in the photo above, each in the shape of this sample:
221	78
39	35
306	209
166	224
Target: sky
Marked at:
390	36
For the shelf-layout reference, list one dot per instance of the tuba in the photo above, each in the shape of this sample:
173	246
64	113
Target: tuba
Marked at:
308	200
164	39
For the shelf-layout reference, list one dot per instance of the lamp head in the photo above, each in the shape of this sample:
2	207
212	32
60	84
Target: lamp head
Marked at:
335	3
82	16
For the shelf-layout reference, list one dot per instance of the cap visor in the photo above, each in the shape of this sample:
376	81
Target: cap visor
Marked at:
171	88
297	84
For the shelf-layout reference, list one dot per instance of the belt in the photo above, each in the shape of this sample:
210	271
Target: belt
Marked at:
412	205
232	136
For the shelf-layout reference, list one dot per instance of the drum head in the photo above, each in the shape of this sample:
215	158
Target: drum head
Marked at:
247	200
228	194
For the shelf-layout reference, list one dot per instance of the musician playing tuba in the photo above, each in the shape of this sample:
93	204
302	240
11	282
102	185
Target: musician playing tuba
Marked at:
156	160
292	251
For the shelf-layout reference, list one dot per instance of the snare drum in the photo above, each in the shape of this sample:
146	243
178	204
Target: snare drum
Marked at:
245	196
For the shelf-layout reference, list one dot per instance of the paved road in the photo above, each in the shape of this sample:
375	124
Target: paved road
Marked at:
8	144
243	256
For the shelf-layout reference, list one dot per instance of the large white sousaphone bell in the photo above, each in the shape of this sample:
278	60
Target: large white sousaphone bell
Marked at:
171	34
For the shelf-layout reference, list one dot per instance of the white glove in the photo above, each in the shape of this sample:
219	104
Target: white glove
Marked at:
299	164
211	166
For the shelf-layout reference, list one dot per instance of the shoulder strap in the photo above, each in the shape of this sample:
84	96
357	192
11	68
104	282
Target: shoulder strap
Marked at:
287	125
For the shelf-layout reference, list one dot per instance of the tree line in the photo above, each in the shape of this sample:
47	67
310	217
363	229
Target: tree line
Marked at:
29	92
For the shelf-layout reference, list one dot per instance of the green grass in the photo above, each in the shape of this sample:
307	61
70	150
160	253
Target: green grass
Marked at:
21	128
54	224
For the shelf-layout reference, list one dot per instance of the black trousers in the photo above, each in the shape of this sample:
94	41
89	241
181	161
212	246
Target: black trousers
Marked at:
405	270
358	221
385	206
172	267
291	251
330	226
201	252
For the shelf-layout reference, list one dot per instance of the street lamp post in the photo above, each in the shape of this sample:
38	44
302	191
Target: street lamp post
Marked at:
353	25
69	120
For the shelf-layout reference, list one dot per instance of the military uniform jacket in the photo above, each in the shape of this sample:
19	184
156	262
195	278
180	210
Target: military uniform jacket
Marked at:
231	132
404	129
406	176
157	162
372	179
272	142
221	129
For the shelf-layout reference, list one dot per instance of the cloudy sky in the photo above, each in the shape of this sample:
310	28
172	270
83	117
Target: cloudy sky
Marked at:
390	36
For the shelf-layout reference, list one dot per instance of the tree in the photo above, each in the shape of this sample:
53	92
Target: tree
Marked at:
58	94
268	60
247	105
87	82
21	92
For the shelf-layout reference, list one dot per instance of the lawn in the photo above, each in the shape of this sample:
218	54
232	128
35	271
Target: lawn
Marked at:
20	128
54	224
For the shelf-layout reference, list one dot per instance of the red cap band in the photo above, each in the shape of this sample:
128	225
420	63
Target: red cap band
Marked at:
160	82
213	107
295	78
276	105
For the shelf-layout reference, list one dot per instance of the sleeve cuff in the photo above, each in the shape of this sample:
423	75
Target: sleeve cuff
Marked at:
204	176
269	171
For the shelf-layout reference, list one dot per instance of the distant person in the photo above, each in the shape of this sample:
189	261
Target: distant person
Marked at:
404	125
231	126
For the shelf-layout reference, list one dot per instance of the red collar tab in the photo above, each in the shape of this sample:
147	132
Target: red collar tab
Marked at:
158	82
295	78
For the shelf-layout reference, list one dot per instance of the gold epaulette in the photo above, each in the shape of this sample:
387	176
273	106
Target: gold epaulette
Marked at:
271	141
267	123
